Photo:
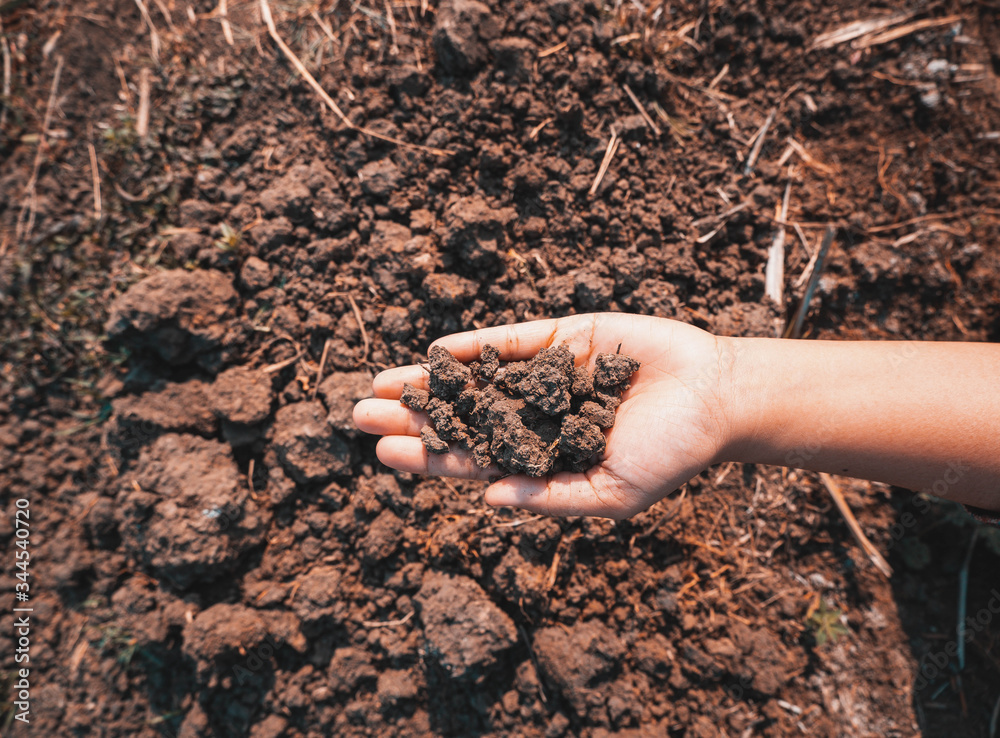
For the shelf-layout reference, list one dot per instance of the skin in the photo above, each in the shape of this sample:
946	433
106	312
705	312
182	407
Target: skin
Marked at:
925	416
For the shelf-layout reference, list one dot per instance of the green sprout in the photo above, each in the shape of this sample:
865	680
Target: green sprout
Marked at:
121	139
119	641
825	623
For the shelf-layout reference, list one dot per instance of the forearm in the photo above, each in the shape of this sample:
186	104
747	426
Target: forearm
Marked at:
925	416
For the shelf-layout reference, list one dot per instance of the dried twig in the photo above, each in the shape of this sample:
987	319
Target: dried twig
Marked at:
533	133
26	218
678	129
142	117
550	577
897	33
227	29
723	218
758	142
513	523
96	176
272	29
166	15
361	327
795	328
552	50
719	77
322	365
394	49
282	364
388	623
808	159
642	111
154	37
785	156
857	29
774	272
609	154
129	197
627	38
325	27
852	523
802	238
810	265
6	81
126	92
50	45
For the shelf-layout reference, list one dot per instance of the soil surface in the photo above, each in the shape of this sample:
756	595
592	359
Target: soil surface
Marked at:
202	266
536	417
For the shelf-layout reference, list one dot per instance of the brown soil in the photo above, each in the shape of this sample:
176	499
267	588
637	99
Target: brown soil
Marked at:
216	551
535	417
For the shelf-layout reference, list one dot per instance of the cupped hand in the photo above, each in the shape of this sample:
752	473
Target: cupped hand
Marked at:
670	426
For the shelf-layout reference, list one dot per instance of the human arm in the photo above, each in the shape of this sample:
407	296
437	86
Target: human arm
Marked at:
893	412
920	415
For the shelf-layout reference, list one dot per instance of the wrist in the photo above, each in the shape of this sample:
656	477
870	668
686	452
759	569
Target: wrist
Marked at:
745	386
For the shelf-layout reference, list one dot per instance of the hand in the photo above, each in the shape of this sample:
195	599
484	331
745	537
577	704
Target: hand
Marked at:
670	426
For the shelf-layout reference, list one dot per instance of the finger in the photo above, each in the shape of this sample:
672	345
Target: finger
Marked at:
408	454
389	384
519	341
561	495
388	418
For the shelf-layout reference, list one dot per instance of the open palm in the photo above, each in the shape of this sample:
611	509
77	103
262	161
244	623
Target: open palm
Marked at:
669	427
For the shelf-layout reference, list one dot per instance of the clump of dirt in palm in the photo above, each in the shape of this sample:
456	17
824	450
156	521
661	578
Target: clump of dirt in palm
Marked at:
534	417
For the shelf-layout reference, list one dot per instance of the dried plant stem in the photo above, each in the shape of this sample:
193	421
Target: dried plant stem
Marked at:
270	369
154	37
552	50
897	33
272	29
322	365
96	177
856	29
361	327
394	49
142	116
26	218
852	523
227	29
609	154
166	15
795	329
6	81
758	142
388	623
325	27
808	159
774	273
642	111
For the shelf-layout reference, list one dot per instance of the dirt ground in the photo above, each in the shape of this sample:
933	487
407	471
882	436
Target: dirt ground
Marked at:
187	230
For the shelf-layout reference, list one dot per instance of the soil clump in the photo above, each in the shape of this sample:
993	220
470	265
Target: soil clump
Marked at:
535	417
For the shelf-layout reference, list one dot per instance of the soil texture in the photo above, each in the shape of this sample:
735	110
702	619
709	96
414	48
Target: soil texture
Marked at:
202	267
